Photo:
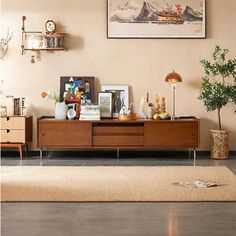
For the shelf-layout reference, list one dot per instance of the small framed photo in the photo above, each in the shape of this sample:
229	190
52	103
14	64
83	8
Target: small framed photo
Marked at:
105	104
120	97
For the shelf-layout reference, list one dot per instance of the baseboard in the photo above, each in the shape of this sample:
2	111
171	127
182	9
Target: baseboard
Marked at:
113	153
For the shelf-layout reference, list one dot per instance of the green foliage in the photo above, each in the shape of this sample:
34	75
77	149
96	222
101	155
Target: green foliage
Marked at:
214	95
219	84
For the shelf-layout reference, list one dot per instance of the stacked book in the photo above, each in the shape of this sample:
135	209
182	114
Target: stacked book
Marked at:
89	112
15	106
19	106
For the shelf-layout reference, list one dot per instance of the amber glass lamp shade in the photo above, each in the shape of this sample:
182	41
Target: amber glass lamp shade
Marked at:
173	78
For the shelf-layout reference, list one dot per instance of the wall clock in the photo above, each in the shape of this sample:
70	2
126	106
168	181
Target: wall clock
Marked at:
50	26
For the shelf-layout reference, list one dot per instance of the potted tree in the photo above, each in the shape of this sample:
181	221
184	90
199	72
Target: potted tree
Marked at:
218	89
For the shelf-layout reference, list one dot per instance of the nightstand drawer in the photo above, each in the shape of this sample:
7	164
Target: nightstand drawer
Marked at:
12	122
16	136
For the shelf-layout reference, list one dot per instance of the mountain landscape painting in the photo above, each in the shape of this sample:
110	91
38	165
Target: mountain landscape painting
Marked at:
156	18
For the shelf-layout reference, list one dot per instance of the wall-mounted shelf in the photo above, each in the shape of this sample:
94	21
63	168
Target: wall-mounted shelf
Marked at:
36	41
44	49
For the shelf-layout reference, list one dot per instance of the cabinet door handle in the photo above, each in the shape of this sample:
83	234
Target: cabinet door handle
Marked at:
43	134
8	131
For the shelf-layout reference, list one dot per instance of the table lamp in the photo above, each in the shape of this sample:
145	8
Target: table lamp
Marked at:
173	78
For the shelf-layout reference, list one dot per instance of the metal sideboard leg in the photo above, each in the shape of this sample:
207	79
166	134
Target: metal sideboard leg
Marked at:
41	156
118	153
194	156
189	153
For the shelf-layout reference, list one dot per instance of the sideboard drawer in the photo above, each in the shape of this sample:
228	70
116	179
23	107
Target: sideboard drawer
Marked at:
118	130
118	135
118	141
13	122
16	136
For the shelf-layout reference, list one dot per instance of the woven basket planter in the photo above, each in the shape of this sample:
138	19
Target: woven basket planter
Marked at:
219	144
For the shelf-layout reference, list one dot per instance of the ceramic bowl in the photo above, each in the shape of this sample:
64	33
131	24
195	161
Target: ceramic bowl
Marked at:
71	114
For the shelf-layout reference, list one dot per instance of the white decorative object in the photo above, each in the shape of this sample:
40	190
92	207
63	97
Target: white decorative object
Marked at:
4	44
141	114
60	111
71	114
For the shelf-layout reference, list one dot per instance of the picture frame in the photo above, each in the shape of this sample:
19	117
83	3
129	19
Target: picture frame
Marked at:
105	104
120	97
77	89
156	19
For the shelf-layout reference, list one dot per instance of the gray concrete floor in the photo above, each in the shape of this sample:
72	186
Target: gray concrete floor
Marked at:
116	219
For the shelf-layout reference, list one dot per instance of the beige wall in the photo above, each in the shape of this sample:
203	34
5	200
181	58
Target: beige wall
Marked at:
141	63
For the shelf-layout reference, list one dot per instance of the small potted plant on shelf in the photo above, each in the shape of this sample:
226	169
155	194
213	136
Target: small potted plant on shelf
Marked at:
218	89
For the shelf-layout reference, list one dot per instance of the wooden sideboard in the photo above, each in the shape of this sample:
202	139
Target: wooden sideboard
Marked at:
112	133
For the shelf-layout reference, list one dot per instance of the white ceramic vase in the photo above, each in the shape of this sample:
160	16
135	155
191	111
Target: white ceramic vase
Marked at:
60	111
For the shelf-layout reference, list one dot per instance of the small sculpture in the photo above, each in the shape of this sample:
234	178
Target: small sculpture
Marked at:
157	105
141	114
150	111
163	105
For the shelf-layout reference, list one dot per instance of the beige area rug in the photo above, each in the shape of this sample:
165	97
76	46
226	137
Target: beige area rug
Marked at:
54	183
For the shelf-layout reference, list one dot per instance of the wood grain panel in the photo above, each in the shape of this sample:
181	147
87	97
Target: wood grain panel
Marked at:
64	134
118	141
15	136
29	129
118	130
182	133
172	134
13	122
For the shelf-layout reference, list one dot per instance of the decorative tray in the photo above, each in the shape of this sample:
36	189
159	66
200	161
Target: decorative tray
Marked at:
127	117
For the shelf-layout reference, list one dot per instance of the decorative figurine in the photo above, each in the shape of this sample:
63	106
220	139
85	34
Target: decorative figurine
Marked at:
163	105
157	105
141	114
150	111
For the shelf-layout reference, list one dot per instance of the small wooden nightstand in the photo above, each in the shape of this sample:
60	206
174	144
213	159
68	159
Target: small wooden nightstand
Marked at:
16	131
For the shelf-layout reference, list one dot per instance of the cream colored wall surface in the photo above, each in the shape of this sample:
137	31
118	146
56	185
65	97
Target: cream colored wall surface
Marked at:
140	63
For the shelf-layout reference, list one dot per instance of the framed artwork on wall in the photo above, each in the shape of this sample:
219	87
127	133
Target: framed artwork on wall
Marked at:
105	104
120	97
156	19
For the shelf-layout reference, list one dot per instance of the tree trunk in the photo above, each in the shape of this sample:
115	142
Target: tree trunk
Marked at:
219	118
